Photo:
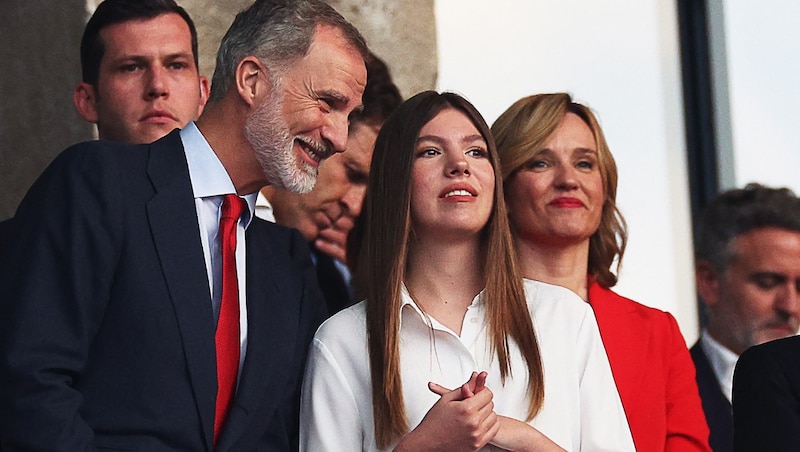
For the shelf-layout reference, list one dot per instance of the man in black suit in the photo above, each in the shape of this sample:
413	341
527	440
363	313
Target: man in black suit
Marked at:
112	280
766	397
747	254
326	214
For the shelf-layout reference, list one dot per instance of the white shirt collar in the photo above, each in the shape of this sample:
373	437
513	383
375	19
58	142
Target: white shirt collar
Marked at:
264	208
209	177
578	379
406	300
723	362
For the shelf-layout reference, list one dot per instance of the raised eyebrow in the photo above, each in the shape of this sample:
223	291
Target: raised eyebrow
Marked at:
180	55
127	59
434	138
546	152
768	277
769	274
585	151
473	139
441	141
144	59
336	97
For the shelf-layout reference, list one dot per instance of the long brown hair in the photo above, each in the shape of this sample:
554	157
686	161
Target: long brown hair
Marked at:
522	130
382	240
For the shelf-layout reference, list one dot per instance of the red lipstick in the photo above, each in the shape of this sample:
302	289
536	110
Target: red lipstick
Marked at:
567	203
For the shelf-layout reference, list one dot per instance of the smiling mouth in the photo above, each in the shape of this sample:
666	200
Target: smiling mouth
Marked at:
457	193
566	203
316	151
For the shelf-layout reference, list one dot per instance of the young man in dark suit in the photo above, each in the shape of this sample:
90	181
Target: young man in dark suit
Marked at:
123	259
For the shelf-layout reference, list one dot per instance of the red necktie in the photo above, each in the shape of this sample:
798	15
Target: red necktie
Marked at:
227	335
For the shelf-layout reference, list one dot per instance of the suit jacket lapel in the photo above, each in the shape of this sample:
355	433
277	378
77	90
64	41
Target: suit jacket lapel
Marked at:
175	229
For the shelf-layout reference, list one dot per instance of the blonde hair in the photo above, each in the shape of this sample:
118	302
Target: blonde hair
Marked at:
521	131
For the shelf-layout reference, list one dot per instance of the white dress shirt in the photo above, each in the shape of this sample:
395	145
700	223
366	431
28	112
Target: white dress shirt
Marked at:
723	363
210	182
582	409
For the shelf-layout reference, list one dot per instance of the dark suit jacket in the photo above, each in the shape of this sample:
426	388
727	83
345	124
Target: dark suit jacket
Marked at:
653	372
766	397
5	228
715	404
107	328
331	283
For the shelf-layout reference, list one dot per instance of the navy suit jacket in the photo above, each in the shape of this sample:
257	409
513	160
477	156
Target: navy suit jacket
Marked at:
716	406
5	228
331	283
766	397
106	321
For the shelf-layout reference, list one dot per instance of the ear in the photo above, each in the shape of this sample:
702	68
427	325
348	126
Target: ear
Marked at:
708	283
205	91
85	99
250	82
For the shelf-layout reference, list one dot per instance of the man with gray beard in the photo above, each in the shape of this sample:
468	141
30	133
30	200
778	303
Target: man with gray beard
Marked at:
145	308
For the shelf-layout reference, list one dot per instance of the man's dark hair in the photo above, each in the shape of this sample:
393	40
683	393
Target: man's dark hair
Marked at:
738	211
380	97
112	12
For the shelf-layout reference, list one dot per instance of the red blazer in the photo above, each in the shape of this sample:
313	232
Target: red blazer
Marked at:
654	373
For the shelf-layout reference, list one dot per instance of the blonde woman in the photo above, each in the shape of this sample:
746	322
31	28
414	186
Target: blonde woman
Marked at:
560	187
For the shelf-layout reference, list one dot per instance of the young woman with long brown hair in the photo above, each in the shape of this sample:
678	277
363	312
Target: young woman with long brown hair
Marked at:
445	303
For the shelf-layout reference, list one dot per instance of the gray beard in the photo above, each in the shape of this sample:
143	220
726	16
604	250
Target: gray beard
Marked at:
273	145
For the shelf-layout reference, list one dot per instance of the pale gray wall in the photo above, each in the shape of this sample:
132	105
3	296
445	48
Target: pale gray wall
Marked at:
403	34
39	43
212	20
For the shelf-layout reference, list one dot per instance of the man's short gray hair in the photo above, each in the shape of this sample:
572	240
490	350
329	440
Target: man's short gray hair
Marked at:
277	32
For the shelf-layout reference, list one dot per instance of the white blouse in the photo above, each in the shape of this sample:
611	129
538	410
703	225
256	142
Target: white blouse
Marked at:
582	409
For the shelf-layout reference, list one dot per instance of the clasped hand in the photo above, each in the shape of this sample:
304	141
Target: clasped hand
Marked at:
464	419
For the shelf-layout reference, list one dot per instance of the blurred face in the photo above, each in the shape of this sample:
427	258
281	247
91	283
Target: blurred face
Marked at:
756	299
452	188
148	82
306	122
557	197
339	193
